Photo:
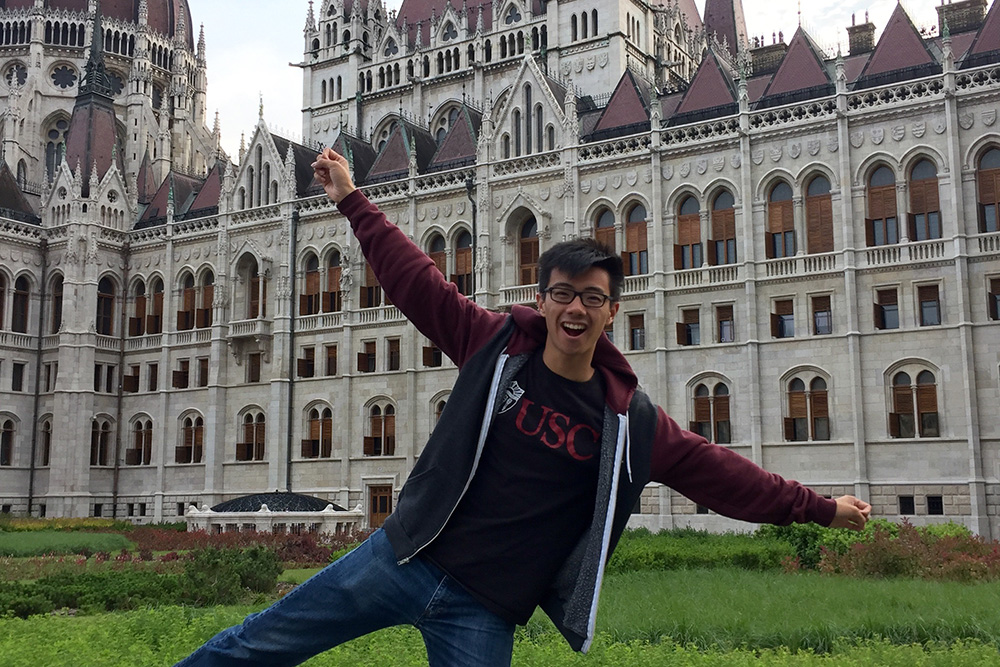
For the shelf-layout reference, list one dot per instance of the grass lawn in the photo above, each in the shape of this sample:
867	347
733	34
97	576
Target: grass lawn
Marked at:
721	617
37	543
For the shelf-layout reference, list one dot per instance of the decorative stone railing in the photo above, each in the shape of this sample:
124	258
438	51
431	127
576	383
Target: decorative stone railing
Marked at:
328	521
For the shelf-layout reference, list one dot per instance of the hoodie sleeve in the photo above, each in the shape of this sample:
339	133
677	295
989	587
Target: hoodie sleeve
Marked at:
415	285
725	482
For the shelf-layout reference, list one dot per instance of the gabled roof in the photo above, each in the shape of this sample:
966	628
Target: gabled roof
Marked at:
725	19
185	190
303	156
459	146
690	12
900	50
92	138
627	110
801	74
12	200
986	46
207	198
711	93
145	187
359	153
393	160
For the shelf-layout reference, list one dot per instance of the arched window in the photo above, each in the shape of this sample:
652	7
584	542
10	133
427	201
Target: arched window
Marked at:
687	250
539	125
137	323
154	320
583	25
320	440
819	216
439	410
3	296
573	28
22	295
371	290
636	249
516	128
505	146
192	444
45	444
381	438
914	406
711	413
100	442
593	22
254	431
988	181
604	227
780	222
309	300
332	301
528	253
7	443
436	251
463	263
255	286
722	245
203	315
105	307
528	131
925	210
808	413
55	146
140	453
881	226
189	297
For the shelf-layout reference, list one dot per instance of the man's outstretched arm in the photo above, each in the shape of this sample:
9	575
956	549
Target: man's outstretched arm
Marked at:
408	276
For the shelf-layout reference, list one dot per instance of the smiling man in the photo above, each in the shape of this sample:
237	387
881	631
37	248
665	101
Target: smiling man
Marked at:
528	480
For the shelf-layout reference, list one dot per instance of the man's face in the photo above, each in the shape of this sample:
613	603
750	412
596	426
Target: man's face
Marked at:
574	329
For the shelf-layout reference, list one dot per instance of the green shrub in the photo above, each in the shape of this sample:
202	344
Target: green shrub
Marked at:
220	576
641	550
38	543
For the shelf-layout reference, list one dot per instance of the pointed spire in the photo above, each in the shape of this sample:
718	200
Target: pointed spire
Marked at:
201	43
310	19
143	12
260	111
94	181
96	80
180	32
479	21
243	146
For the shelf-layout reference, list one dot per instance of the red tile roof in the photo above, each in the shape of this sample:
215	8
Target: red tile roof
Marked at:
725	19
211	189
801	68
988	38
711	87
629	104
419	11
92	138
459	145
899	47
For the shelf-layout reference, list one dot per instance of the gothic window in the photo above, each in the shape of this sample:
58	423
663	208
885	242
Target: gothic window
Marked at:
516	122
711	413
192	445
309	299
57	304
988	181
100	442
3	295
154	319
251	447
189	295
449	33
512	16
55	146
105	307
929	302
722	244
206	297
583	25
914	406
636	255
463	263
528	253
136	323
436	251
19	315
332	300
604	227
45	444
574	28
19	71
371	290
882	225
319	444
819	216
7	443
808	411
391	49
505	146
687	250
64	77
593	22
140	453
381	438
925	210
780	222
527	118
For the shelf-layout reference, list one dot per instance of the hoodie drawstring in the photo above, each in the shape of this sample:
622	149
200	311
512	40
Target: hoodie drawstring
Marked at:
628	449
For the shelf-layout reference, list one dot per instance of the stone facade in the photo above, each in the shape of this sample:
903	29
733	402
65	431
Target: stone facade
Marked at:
754	349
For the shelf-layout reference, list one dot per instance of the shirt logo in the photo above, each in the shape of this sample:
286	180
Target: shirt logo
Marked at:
511	397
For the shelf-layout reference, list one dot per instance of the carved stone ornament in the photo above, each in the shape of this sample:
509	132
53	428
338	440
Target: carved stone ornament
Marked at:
701	166
591	63
460	208
602	60
940	127
632	178
878	135
685	169
919	129
566	67
616	182
446	210
757	157
667	171
647	175
435	212
813	146
497	201
795	150
602	183
989	117
832	145
966	120
857	139
898	132
736	161
776	153
422	214
544	194
585	186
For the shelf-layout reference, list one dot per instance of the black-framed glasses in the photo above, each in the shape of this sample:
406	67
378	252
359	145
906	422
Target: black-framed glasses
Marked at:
565	295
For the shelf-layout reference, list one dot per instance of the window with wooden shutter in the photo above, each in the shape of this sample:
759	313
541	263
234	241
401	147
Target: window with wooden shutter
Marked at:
687	253
463	270
260	432
637	332
130	382
886	309
154	321
725	324
930	305
394	361
819	224
702	424
184	452
371	291
440	260
198	446
254	360
689	328
309	300
152	377
185	316
306	364
819	410
780	223
927	407
901	419
366	359
181	376
822	315
203	315
389	448
635	259
257	298
722	245
332	299
988	182
993	299
331	359
202	372
720	408
528	253
924	218
137	324
881	226
783	319
604	230
432	356
798	412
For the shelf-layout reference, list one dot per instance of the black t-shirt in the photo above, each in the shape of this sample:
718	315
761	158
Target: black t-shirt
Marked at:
533	494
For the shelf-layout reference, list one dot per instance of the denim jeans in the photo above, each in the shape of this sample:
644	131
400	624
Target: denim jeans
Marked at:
364	591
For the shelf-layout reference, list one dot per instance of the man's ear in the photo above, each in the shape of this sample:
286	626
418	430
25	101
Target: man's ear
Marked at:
540	302
614	311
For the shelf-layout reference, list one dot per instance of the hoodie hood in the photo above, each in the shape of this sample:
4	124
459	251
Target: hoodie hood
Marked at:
608	359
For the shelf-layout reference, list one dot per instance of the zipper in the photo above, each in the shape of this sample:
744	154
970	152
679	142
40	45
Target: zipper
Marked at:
483	432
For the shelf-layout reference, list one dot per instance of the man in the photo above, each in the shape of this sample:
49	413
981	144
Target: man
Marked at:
527	481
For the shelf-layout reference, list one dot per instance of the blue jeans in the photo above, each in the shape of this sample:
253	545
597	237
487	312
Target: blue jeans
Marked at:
363	592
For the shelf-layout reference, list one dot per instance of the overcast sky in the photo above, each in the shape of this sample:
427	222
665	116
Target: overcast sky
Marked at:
250	44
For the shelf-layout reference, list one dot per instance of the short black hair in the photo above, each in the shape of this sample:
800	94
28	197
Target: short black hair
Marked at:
576	256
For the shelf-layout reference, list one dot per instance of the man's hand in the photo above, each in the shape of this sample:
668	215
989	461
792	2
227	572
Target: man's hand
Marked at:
332	173
851	513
